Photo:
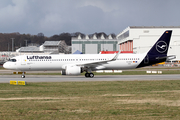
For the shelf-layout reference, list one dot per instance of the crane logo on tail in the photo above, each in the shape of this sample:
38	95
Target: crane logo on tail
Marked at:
161	46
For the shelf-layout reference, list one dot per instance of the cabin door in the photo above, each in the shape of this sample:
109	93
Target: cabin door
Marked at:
23	61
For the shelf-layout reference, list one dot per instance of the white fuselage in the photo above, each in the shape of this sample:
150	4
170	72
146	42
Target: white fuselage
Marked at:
58	62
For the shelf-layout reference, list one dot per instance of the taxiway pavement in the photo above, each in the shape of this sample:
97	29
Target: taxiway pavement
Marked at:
60	78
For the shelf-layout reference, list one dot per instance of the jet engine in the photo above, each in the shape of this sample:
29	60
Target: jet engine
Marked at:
71	70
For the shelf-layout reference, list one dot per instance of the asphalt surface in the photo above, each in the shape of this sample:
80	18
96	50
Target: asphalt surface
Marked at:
60	78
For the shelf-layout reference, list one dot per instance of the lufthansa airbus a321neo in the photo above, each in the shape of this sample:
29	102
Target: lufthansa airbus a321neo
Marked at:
73	64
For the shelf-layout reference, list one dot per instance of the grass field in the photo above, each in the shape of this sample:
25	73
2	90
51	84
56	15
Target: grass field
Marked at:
150	100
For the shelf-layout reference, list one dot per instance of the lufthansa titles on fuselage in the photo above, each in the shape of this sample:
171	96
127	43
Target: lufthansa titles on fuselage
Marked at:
39	57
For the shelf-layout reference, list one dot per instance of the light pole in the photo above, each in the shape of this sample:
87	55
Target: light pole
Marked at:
26	42
12	44
8	47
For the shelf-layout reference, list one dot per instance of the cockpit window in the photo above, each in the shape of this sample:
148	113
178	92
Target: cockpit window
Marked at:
12	60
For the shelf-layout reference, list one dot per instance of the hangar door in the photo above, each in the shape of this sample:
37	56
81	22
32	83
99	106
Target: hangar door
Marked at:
91	49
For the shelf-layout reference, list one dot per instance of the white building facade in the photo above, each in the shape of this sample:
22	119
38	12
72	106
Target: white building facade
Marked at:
141	39
93	45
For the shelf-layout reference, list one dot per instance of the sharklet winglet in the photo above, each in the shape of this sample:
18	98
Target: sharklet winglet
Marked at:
116	56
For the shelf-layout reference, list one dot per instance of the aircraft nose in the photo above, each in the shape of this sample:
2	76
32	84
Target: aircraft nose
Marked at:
5	65
10	66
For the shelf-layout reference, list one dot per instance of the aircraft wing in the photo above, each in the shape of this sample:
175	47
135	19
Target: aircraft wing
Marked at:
95	64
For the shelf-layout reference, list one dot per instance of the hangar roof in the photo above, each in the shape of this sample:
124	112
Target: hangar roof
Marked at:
51	43
29	49
154	26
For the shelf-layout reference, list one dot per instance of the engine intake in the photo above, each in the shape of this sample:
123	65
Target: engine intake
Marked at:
71	70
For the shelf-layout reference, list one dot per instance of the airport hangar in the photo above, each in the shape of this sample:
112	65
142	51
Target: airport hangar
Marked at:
93	44
133	39
141	39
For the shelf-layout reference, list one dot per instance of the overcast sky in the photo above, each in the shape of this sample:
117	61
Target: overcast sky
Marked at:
87	16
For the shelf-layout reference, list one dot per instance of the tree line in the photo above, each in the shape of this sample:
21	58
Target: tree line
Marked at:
21	40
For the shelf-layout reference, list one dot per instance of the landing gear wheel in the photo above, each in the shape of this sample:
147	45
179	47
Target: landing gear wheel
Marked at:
91	75
87	74
23	76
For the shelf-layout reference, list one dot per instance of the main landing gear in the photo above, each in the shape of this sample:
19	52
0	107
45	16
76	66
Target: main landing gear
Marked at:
88	73
91	75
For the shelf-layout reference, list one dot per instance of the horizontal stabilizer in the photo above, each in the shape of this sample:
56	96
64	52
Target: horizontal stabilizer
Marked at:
167	57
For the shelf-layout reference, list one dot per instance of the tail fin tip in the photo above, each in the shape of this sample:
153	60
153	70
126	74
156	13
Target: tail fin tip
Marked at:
162	45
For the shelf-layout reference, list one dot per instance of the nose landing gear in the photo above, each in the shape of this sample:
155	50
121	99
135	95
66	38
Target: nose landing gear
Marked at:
23	75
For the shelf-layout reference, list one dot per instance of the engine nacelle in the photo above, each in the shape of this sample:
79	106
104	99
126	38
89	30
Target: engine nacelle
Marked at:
71	70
